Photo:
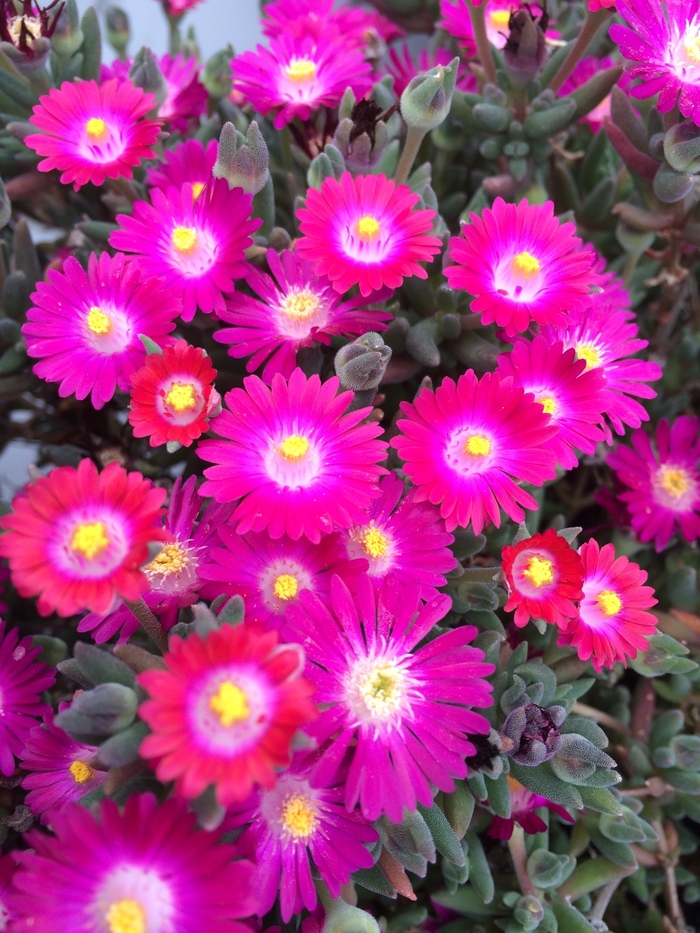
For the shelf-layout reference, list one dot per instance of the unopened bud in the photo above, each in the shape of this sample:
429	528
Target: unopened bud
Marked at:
361	365
426	101
145	73
216	76
328	164
68	36
104	711
118	31
534	732
243	160
362	137
529	912
525	50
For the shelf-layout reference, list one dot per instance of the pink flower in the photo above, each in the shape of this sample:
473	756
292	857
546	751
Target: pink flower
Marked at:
403	68
524	804
319	18
594	5
186	99
187	163
584	71
457	21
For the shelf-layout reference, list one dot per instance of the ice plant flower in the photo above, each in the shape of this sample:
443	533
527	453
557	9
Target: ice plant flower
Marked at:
613	623
224	711
197	244
84	326
319	18
297	76
457	21
402	67
91	132
7	869
22	680
146	869
522	265
584	71
189	162
186	98
362	230
465	443
297	309
172	397
299	465
402	716
663	492
543	576
524	805
77	538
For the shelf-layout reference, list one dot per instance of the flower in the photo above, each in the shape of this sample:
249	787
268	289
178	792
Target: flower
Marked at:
523	806
178	8
457	21
144	869
573	395
613	624
665	41
297	463
403	68
22	680
172	397
298	309
186	99
76	538
196	244
584	71
664	485
594	5
59	768
363	231
544	576
319	18
224	711
270	573
84	326
404	537
187	163
7	869
402	718
91	132
462	444
297	76
296	819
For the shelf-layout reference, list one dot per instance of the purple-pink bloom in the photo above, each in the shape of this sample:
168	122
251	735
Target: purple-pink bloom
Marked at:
403	68
188	163
320	18
7	870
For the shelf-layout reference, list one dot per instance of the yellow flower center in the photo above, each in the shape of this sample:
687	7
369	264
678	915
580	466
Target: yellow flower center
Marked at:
197	189
126	916
691	44
294	447
548	403
172	559
526	265
367	228
299	817
609	603
90	539
477	445
96	128
588	352
673	480
184	239
382	689
300	304
81	772
181	397
500	19
98	322
286	587
301	70
374	542
539	571
230	704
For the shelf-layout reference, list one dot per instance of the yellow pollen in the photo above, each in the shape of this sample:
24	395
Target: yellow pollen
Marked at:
374	542
172	559
367	228
98	322
286	587
230	704
301	70
548	403
477	445
90	539
126	916
300	304
381	690
500	19
299	817
691	44
539	571
673	480
184	239
197	189
526	265
181	397
81	772
587	352
294	447
609	603
95	128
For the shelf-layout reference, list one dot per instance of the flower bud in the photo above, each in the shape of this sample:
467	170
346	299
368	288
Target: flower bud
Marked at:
145	73
362	137
682	147
118	31
68	36
529	912
216	76
243	160
534	732
361	365
525	50
104	711
426	101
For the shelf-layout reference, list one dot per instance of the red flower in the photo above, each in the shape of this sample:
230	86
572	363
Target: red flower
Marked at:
524	803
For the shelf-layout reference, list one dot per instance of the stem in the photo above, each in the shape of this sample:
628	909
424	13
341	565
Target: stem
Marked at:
591	25
669	859
148	622
630	265
597	715
603	900
483	46
516	844
408	156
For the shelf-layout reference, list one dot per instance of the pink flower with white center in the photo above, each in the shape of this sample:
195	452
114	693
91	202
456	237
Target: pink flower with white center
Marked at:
521	265
363	230
319	18
186	98
188	163
663	484
403	68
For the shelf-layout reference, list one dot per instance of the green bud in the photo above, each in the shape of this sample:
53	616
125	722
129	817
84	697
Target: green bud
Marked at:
106	710
68	36
528	912
682	147
426	101
145	73
216	75
361	365
118	29
322	168
243	160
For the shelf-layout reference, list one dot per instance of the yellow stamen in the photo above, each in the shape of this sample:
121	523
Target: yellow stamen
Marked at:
477	445
299	817
548	403
81	772
374	542
286	587
382	690
300	304
294	447
691	44
301	70
500	19
197	189
98	322
172	559
181	397
673	480
90	539
96	128
367	228
588	352
184	239
539	571
526	265
126	916
230	704
609	603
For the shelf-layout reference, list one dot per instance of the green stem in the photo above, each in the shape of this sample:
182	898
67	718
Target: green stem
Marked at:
590	27
483	46
414	139
148	622
603	899
518	853
174	32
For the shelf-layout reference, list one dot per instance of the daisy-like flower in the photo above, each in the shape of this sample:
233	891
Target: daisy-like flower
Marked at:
84	326
362	230
664	484
584	71
297	310
197	244
544	576
465	442
566	389
318	18
22	680
225	710
186	98
299	465
297	76
402	537
144	870
7	870
613	624
91	132
402	67
172	397
293	821
665	41
524	805
402	717
188	163
521	265
77	538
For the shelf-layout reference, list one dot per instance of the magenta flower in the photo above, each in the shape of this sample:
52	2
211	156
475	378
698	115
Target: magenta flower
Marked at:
84	326
320	18
186	98
297	310
196	244
7	870
457	21
664	484
403	68
401	717
188	163
524	805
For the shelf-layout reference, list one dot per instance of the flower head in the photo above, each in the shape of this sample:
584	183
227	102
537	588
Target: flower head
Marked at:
91	132
189	162
457	21
319	18
186	98
224	711
76	538
403	68
7	870
524	804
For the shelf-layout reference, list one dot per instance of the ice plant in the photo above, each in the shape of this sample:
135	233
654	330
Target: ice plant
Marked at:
319	18
402	716
521	265
613	623
84	326
92	132
224	711
663	492
189	162
402	67
77	538
299	463
465	443
524	805
543	576
364	231
7	869
196	244
186	99
583	72
457	21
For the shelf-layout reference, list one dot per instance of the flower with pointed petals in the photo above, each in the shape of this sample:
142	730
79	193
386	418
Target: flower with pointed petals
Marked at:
318	18
77	538
188	163
91	132
524	804
196	244
402	67
465	442
299	465
522	265
613	623
457	21
186	98
224	711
